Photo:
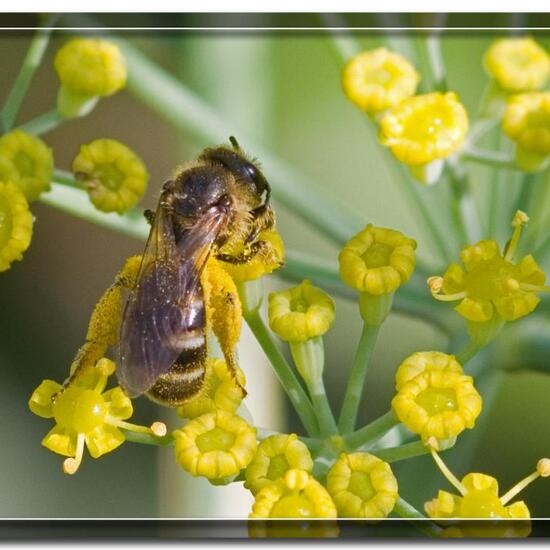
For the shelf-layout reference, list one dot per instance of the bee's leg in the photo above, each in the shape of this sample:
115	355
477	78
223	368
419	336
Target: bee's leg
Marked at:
263	218
103	328
223	312
262	250
149	216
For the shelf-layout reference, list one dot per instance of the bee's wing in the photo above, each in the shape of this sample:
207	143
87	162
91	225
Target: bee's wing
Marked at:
159	311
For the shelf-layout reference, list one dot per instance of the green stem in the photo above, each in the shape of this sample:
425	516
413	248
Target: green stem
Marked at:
66	178
535	208
543	250
489	158
284	372
431	45
323	412
76	202
402	452
43	123
470	350
32	60
372	432
405	510
354	390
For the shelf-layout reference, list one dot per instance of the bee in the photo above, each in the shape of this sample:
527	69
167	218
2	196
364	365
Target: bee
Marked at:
220	200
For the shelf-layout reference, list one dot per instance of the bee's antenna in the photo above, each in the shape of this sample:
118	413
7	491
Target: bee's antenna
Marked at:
235	143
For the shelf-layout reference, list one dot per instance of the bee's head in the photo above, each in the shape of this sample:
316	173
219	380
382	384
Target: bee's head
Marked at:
245	171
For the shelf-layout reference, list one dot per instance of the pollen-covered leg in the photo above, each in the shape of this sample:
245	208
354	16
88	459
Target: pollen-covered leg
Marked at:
223	311
103	328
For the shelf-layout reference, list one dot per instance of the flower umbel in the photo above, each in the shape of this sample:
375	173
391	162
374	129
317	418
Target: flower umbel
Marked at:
378	79
296	495
434	398
362	486
219	391
526	121
425	128
15	224
479	499
275	456
491	283
114	176
26	161
301	312
85	415
518	64
216	445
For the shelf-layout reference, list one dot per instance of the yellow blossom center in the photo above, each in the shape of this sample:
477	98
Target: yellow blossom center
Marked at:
437	400
378	75
489	279
216	439
109	175
293	506
80	410
26	165
360	485
377	255
299	305
482	504
278	465
5	221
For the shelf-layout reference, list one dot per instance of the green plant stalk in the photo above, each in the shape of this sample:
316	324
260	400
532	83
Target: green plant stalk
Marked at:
405	510
371	432
430	52
535	208
493	159
356	381
43	123
402	452
284	372
33	58
468	352
323	412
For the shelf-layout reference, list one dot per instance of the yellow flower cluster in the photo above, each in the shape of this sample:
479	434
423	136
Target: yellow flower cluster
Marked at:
376	80
112	174
518	64
491	283
435	399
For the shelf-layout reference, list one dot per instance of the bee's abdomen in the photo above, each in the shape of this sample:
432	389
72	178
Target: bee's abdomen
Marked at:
184	379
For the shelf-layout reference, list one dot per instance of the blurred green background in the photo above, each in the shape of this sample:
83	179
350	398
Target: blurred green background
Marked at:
282	90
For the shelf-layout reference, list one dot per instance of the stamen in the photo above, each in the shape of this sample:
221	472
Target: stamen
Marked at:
447	473
436	284
520	219
534	288
543	467
157	429
518	487
71	465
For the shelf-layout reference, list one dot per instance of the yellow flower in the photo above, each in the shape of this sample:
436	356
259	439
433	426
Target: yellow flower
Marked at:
91	67
439	401
425	128
377	79
270	258
219	391
377	260
518	64
490	282
362	486
114	176
85	415
527	122
216	445
479	499
424	361
15	225
27	161
275	456
300	313
296	495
